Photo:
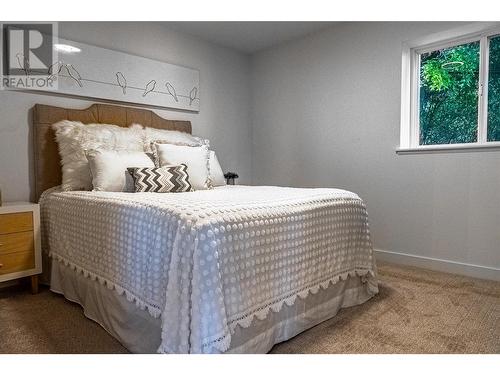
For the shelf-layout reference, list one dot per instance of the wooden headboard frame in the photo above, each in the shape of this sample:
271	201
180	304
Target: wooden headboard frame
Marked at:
47	163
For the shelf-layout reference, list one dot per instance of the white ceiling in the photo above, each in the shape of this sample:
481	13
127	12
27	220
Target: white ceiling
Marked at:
247	37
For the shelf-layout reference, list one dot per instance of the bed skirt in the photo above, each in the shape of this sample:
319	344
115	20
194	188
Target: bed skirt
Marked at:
140	332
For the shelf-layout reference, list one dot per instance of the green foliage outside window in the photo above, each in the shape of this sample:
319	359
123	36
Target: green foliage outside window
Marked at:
494	91
449	80
449	95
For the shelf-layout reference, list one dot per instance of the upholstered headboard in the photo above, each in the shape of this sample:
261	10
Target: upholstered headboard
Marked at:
47	162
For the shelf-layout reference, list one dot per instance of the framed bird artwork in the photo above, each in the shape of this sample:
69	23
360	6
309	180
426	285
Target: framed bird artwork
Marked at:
94	72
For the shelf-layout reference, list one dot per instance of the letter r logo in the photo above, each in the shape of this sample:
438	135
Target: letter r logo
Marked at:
27	48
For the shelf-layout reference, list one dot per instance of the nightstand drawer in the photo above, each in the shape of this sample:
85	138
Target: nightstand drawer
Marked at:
16	222
16	262
16	242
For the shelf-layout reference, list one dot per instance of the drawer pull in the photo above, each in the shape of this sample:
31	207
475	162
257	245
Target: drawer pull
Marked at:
1	265
1	244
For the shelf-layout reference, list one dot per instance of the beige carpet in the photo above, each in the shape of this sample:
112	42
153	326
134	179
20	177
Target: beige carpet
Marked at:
417	311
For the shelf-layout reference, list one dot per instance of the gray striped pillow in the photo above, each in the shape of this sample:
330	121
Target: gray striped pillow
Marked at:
167	179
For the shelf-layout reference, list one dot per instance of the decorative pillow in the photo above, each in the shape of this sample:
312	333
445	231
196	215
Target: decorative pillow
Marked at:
74	138
153	135
109	168
216	174
154	150
169	179
196	159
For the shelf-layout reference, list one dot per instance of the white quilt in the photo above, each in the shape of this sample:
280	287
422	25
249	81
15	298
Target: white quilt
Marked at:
210	260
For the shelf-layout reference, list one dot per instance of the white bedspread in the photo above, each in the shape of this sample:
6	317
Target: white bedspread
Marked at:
208	261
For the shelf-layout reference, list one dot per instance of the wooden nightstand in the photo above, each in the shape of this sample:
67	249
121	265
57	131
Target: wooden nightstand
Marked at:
20	249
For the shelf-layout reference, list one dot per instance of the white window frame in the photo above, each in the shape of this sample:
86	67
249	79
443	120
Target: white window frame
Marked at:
410	85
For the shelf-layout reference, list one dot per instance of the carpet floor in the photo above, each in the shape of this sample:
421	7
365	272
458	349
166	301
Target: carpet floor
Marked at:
416	311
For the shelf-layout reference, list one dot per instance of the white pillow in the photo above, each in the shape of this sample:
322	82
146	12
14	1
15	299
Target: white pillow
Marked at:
216	174
109	168
74	138
196	159
169	136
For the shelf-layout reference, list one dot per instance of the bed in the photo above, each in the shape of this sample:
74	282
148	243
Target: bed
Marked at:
235	269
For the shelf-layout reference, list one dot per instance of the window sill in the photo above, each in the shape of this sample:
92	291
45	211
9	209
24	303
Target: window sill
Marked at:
437	149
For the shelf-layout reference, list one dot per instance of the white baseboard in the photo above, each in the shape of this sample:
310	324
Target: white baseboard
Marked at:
442	265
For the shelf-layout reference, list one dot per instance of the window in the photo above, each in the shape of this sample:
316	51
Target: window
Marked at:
494	91
451	92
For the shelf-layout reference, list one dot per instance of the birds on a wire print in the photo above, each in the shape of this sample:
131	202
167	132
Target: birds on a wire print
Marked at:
62	69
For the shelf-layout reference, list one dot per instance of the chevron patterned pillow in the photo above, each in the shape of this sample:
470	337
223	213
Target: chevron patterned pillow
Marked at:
167	179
